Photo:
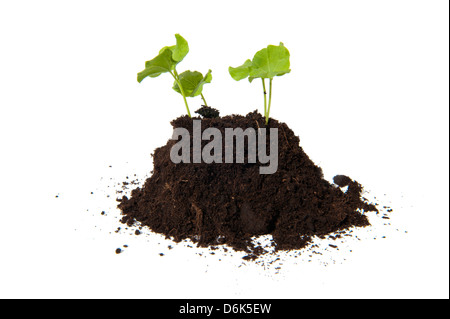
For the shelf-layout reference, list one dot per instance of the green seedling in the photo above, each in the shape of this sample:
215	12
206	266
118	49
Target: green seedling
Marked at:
266	64
188	83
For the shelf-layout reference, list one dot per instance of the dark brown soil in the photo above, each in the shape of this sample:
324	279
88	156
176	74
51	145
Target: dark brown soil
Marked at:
208	112
215	204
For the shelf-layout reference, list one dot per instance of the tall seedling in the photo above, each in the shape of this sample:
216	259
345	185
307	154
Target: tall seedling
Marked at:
188	83
266	64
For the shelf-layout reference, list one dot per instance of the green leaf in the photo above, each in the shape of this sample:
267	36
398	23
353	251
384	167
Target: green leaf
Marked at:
251	78
192	82
180	50
161	64
199	88
269	62
241	72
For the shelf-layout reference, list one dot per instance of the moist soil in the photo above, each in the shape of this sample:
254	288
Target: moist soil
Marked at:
222	203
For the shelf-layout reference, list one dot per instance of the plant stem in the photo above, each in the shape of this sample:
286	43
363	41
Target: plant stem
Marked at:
175	76
270	100
265	98
203	98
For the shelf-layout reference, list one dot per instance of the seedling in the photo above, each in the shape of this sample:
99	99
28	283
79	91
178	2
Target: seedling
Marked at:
267	63
188	83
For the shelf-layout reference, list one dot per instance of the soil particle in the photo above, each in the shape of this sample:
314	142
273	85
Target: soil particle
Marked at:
342	180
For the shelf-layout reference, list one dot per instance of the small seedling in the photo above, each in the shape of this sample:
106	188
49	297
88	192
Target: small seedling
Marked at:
267	63
188	83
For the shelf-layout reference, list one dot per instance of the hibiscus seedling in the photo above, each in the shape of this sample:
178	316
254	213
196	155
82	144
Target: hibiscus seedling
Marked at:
188	83
267	63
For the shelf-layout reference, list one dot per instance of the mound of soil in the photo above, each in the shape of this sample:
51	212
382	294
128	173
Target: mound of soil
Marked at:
229	203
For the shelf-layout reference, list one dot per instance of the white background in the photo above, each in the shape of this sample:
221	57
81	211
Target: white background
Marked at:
367	94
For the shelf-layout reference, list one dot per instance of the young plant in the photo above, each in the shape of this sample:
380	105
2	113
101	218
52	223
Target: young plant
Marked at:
267	63
188	84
